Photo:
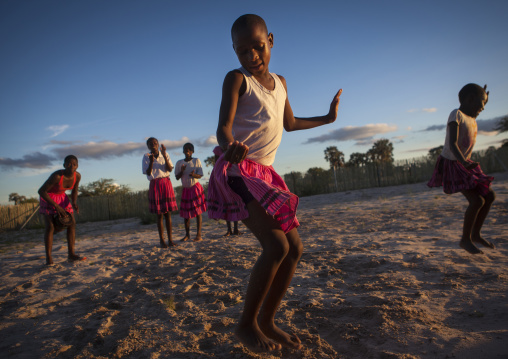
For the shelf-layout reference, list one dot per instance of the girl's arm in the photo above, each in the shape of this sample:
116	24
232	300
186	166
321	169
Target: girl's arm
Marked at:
169	166
180	173
150	164
74	193
232	89
453	131
292	123
198	172
43	192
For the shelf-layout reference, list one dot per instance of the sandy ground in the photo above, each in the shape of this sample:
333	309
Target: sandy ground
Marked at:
382	276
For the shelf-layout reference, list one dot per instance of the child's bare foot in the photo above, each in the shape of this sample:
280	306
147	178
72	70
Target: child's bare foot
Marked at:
470	247
237	233
49	262
227	234
186	238
198	239
275	333
171	244
164	245
75	257
483	242
255	340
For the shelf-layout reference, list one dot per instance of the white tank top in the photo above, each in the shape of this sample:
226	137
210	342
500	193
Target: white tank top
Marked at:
259	118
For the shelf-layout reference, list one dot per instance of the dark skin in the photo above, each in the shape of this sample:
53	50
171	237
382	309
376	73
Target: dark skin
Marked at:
274	269
199	219
230	232
479	206
153	146
70	168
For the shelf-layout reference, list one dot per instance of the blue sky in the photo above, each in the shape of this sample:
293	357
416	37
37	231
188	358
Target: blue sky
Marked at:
95	78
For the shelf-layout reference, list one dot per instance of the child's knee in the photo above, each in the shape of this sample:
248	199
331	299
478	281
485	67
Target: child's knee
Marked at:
296	250
278	250
490	197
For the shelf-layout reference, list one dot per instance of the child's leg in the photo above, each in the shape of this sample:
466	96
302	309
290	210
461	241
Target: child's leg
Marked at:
199	223
71	241
229	232
160	227
480	219
169	229
186	222
236	232
275	248
476	202
278	290
48	238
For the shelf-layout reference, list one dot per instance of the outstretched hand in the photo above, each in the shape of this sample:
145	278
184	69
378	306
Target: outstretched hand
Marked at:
334	107
236	152
486	92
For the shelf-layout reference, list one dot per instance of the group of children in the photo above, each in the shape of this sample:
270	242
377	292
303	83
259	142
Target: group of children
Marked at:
243	185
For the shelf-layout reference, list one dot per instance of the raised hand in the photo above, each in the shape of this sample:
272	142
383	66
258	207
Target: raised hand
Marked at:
334	107
163	150
487	92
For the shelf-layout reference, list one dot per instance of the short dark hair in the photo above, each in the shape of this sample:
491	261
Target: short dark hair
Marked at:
70	157
151	138
470	90
189	145
246	21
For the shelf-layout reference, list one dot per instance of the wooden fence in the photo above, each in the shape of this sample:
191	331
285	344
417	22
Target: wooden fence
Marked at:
381	175
102	208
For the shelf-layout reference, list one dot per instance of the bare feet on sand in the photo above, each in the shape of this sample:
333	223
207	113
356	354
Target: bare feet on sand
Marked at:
255	340
278	335
483	242
198	239
469	246
184	239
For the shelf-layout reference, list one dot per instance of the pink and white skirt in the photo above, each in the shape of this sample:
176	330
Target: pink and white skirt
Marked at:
61	199
193	201
161	196
265	185
454	177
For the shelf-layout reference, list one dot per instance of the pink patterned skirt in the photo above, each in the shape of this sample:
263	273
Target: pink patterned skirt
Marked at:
161	196
61	199
193	201
454	177
265	185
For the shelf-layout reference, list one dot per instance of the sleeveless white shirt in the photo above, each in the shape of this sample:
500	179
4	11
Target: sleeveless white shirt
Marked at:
259	118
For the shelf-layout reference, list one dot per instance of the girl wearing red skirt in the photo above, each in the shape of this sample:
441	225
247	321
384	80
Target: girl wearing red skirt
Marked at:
456	172
193	202
54	202
157	165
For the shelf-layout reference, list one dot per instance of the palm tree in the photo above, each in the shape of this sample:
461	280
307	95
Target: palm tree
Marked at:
336	159
381	151
357	159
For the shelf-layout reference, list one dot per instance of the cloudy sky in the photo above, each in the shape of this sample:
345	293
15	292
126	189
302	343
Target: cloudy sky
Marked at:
96	78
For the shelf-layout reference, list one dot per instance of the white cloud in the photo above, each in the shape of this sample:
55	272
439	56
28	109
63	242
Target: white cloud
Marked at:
362	134
57	130
428	110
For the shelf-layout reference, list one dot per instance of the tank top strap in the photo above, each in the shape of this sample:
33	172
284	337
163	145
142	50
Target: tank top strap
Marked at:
60	184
